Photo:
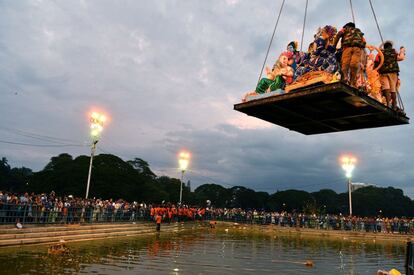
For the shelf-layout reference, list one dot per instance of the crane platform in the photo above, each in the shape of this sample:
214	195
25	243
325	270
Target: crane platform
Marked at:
324	108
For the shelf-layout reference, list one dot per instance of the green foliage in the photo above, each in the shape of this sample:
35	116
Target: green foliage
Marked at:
291	200
13	179
142	167
328	199
216	194
370	200
4	174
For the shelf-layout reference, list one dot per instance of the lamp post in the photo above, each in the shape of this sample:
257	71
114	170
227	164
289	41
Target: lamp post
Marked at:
97	120
348	164
183	160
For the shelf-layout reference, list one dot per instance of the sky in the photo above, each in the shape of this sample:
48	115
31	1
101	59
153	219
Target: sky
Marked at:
167	74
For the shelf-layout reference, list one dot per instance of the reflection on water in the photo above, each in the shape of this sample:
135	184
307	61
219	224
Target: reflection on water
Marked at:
205	252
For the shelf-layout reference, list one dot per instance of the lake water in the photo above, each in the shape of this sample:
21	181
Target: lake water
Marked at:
205	251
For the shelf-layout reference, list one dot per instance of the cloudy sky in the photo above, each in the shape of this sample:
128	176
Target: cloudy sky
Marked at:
168	72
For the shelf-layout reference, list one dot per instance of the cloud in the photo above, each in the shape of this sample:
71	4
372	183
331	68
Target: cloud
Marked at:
168	74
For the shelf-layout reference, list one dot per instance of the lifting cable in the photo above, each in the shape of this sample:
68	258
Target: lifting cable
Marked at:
304	24
271	40
352	11
376	21
382	41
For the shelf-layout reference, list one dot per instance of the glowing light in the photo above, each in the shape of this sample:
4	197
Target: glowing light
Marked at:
94	133
348	164
94	115
97	120
183	160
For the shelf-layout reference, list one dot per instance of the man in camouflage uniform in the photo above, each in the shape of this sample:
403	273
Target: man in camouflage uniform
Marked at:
352	44
389	72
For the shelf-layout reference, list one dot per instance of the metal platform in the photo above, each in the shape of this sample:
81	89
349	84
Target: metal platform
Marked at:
322	109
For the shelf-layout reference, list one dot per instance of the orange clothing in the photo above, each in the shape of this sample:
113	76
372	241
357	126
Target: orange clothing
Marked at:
158	219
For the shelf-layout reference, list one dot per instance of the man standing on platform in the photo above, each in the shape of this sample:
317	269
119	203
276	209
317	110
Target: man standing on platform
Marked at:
352	44
389	72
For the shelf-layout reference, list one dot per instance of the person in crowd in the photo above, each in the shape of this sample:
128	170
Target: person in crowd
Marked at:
158	221
352	46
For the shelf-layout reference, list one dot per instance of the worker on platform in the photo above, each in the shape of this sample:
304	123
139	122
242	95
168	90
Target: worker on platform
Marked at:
352	45
389	72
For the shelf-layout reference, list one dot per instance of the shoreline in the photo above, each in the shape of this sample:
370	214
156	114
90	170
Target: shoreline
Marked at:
334	235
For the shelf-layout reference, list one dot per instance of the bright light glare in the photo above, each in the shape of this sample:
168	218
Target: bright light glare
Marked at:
183	160
97	121
94	115
348	164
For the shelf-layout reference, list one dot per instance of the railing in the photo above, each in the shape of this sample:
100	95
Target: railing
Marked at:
40	214
328	222
51	214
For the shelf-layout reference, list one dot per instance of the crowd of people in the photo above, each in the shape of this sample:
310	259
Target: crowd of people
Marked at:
321	221
342	54
52	209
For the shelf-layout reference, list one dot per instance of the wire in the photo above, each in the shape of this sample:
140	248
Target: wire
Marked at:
42	145
304	24
271	40
376	21
36	136
352	11
400	101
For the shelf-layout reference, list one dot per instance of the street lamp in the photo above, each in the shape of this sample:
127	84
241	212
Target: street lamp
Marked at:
97	120
348	164
183	160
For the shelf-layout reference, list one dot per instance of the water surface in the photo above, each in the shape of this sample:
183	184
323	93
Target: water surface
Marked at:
206	252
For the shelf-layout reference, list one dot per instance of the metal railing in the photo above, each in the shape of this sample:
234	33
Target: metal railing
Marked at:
41	214
49	213
326	222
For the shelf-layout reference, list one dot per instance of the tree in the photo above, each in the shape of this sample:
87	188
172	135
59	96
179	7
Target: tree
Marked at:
4	174
57	163
242	197
19	179
291	200
142	167
369	200
217	194
327	201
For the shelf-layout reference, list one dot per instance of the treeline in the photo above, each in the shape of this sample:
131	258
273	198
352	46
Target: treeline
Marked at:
134	181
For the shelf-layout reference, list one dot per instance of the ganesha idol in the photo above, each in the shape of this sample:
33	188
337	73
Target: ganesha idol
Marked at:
277	78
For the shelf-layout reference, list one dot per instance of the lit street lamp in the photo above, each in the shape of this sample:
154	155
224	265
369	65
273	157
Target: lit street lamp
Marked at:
97	120
348	164
183	160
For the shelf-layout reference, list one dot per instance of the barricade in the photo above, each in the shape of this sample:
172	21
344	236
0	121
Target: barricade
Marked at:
31	213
